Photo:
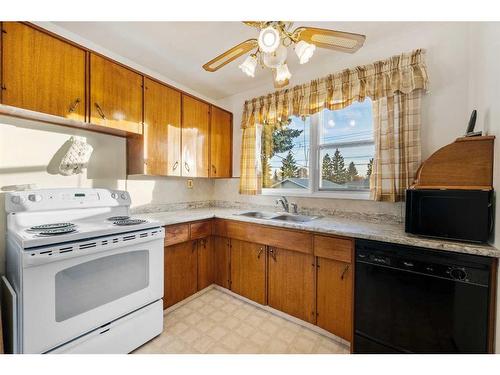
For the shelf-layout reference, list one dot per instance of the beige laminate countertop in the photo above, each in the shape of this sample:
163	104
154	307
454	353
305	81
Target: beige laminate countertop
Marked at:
386	232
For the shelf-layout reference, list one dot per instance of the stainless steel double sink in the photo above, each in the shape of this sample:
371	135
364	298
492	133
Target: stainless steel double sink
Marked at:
281	217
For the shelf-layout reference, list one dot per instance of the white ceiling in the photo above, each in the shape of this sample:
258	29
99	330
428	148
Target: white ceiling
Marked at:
178	50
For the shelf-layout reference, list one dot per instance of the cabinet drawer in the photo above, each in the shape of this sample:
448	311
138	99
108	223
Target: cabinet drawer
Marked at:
201	229
333	248
176	234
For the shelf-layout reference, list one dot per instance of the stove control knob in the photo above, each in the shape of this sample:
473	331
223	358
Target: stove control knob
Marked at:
16	199
123	196
458	274
114	195
35	197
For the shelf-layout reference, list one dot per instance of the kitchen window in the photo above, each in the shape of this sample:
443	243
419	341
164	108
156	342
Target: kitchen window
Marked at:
328	154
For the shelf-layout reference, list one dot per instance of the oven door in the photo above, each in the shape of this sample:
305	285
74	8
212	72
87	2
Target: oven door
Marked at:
66	298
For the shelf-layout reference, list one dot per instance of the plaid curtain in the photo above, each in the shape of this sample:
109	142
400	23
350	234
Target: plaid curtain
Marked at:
396	125
250	162
399	75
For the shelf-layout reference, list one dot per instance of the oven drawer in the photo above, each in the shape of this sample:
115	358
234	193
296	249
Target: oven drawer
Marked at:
120	336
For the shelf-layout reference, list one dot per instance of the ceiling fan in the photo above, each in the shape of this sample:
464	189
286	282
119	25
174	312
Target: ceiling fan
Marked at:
272	43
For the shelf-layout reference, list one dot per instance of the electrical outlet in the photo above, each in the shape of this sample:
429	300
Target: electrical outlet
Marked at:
189	184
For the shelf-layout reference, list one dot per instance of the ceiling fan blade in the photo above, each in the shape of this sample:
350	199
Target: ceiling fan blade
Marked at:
230	55
279	85
257	24
330	39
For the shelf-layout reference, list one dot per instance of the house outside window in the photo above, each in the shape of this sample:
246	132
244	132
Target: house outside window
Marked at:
327	154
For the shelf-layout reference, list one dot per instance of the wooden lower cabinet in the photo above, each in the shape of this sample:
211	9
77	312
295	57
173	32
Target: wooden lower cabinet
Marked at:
222	256
206	262
181	272
248	270
335	297
291	283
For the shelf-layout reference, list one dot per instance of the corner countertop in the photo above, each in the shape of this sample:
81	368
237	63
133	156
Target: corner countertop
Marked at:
385	232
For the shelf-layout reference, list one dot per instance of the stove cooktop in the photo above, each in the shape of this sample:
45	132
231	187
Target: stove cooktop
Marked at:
52	233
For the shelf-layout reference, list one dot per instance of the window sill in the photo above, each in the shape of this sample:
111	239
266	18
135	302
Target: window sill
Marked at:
360	195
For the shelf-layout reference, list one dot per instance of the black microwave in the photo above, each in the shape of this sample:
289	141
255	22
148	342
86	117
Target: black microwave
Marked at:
463	215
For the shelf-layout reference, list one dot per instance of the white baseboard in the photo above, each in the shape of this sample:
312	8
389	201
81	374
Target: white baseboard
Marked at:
286	316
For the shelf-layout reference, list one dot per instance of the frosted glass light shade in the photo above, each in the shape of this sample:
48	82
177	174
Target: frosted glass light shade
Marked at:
282	73
304	51
276	58
269	40
248	66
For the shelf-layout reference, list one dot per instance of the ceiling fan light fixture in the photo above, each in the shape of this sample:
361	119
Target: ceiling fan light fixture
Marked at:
282	73
304	51
248	66
269	39
276	58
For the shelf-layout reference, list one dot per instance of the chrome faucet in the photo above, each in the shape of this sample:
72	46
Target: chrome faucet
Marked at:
284	203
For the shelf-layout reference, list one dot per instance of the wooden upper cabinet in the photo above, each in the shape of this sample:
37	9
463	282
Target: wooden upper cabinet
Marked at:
220	143
195	137
158	151
42	73
115	95
248	270
335	297
291	283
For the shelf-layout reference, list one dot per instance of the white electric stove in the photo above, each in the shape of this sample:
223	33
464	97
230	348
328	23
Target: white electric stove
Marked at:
87	277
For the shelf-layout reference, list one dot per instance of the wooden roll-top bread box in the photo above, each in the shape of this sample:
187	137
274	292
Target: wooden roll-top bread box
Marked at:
466	164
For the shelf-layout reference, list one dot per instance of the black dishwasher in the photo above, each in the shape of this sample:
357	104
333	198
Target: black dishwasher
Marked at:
414	300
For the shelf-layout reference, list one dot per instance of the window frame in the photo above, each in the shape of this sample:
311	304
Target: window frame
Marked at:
314	190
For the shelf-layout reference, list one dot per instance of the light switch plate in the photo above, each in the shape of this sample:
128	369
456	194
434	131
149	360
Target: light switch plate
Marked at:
189	184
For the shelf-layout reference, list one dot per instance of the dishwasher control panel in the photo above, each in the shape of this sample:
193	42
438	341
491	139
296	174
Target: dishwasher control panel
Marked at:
423	261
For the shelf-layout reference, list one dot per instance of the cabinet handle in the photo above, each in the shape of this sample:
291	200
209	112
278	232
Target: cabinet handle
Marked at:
345	271
273	253
176	164
260	252
100	111
186	166
214	170
73	107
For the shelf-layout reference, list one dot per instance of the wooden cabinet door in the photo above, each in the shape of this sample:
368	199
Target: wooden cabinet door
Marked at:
334	294
220	143
181	263
206	263
42	73
195	137
115	95
248	270
158	151
291	283
222	260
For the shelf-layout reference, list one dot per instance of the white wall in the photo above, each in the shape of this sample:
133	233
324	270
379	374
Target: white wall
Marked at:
485	96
